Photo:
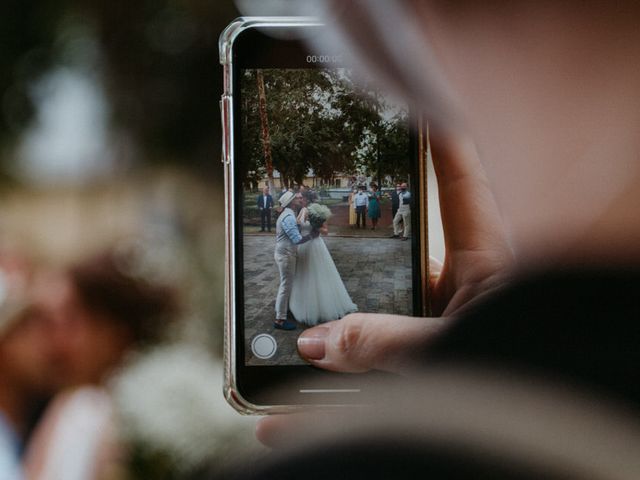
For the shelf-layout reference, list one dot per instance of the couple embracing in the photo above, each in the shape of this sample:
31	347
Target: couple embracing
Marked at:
310	284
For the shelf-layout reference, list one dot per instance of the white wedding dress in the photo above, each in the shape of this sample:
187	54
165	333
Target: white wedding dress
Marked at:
318	294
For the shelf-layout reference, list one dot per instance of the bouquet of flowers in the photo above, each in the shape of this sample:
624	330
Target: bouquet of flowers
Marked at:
166	440
318	214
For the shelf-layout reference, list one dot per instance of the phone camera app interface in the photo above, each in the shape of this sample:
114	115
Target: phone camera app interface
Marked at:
325	168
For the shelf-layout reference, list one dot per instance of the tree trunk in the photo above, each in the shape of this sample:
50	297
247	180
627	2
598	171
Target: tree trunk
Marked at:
264	123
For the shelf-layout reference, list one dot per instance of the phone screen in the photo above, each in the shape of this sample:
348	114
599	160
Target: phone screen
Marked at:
326	216
321	153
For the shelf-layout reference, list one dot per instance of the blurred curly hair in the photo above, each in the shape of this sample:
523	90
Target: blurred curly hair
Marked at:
144	308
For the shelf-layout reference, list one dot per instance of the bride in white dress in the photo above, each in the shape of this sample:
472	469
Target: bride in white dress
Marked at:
318	294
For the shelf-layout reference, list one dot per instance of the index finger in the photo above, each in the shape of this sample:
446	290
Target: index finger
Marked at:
477	251
470	214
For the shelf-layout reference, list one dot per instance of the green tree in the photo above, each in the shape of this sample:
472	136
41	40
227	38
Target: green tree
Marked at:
320	121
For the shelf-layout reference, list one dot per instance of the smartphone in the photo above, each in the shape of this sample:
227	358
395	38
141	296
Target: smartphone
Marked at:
307	148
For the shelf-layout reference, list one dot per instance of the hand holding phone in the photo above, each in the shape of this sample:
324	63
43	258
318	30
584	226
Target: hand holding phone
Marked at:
277	91
362	342
479	258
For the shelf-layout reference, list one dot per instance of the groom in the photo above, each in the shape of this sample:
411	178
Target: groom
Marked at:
287	240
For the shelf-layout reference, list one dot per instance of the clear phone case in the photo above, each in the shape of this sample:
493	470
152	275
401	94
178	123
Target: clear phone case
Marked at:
226	45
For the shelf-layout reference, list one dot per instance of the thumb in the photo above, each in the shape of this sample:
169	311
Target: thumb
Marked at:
360	342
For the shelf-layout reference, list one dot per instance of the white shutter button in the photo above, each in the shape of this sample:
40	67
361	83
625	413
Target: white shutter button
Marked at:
264	346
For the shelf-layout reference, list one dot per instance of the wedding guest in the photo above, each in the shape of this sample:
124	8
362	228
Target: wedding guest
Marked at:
361	201
395	201
403	215
373	210
265	204
352	207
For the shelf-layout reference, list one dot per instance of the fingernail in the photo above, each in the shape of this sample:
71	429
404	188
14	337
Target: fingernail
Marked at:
311	343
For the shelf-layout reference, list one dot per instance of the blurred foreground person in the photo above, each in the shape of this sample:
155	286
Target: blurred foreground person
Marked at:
97	313
534	110
25	369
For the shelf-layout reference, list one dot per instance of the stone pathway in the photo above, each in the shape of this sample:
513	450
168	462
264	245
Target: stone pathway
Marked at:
375	271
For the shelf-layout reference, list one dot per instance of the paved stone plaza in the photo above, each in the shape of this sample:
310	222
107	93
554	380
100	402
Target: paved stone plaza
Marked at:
375	271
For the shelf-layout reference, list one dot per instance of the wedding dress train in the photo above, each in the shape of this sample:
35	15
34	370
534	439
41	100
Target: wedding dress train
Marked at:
318	294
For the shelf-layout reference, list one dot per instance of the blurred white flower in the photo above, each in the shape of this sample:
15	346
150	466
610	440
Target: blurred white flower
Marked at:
170	401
